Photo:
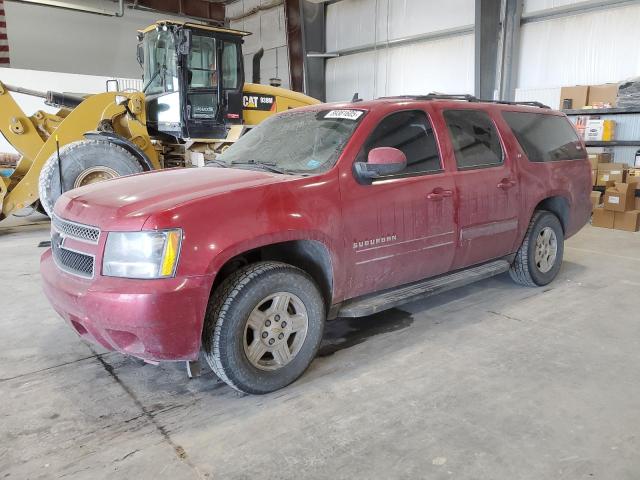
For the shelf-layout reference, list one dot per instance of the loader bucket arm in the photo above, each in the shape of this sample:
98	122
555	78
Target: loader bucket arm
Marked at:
16	127
128	119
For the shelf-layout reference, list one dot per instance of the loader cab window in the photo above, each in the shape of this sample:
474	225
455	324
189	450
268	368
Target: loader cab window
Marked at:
230	66
202	64
160	73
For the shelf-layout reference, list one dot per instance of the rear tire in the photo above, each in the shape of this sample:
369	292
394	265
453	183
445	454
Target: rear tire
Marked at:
263	327
539	258
83	162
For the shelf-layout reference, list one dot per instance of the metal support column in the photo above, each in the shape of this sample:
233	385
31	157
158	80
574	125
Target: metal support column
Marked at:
487	35
313	40
510	51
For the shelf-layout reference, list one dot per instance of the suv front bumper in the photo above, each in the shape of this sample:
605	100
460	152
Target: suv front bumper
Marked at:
150	319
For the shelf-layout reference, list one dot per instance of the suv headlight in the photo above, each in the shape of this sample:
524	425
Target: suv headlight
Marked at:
142	254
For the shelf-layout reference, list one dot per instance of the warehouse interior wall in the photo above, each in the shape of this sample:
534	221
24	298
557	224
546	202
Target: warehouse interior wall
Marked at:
445	65
265	19
57	40
587	48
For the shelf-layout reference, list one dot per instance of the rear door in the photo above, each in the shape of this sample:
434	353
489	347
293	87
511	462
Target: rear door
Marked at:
487	186
400	228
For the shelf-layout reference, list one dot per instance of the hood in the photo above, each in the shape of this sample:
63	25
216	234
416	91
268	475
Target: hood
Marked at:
126	203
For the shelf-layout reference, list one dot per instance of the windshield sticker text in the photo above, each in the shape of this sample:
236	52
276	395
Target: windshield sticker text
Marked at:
345	114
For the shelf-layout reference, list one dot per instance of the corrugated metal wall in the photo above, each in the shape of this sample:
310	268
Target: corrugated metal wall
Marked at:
587	48
444	65
269	32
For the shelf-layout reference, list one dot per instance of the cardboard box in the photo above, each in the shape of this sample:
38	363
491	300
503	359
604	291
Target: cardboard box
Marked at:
603	96
594	176
633	180
581	124
627	221
637	206
596	199
602	218
574	97
596	158
599	130
611	172
620	197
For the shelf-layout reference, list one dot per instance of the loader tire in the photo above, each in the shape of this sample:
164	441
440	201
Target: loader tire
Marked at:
83	162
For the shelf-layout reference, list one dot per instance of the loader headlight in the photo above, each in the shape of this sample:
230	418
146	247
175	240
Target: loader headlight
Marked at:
142	254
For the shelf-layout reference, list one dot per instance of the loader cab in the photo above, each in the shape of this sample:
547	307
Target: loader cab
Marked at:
193	77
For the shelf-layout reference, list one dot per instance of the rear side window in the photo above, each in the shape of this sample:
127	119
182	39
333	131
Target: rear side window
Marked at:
475	139
545	138
411	132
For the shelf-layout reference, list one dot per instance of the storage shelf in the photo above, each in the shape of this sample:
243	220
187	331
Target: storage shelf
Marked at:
603	111
613	143
602	189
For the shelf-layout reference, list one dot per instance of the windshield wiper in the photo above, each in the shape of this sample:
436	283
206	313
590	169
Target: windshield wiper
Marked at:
270	166
162	69
215	161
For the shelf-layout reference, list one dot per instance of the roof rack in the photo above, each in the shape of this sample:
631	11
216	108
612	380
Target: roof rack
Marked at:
464	98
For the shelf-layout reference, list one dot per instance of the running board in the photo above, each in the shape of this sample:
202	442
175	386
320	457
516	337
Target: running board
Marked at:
370	304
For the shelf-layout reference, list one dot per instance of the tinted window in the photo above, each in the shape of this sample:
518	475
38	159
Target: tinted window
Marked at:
410	132
545	138
474	138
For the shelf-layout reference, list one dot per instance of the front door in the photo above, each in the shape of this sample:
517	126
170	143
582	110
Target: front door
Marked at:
487	187
400	228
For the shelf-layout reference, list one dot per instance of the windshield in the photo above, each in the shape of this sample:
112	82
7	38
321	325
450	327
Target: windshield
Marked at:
160	63
300	142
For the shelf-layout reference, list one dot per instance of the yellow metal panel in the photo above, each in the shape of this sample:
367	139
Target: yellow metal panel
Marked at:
284	100
195	26
17	128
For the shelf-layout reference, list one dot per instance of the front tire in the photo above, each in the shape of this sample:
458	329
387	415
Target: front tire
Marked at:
263	327
83	162
539	258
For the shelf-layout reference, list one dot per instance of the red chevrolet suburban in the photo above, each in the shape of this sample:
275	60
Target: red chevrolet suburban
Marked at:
334	210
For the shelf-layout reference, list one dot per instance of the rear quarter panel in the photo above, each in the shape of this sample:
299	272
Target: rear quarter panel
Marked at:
569	179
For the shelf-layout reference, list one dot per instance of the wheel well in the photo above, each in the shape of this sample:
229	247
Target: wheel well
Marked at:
308	255
559	206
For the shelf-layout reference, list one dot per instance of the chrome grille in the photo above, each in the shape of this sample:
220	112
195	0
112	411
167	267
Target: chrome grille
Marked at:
71	261
81	232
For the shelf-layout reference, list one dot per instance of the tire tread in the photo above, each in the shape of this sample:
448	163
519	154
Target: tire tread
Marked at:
519	270
218	309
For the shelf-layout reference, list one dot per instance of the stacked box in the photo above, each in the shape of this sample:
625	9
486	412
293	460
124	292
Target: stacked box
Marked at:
600	130
611	172
620	210
596	159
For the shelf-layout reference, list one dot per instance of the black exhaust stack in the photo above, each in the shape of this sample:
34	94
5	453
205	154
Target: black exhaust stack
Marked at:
257	59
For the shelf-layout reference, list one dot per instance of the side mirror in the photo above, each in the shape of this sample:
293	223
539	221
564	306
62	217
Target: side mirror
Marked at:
381	161
140	54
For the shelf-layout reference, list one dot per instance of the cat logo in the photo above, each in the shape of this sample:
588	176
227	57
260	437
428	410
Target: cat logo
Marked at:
264	103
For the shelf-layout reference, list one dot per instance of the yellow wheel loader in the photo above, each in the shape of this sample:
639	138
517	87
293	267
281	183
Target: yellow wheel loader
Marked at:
194	104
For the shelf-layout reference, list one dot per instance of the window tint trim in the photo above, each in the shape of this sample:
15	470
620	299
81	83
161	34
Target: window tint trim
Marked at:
361	154
498	134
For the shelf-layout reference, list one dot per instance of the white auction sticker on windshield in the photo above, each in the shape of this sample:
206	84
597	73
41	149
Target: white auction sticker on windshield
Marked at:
345	114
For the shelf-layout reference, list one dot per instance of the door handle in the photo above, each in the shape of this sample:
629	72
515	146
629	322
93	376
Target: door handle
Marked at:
506	184
439	194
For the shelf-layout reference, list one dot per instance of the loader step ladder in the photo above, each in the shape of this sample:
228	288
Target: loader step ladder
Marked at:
370	304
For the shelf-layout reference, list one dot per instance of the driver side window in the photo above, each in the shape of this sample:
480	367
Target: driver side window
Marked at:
411	132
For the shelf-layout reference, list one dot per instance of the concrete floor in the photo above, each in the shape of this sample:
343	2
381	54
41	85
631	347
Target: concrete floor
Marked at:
493	381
